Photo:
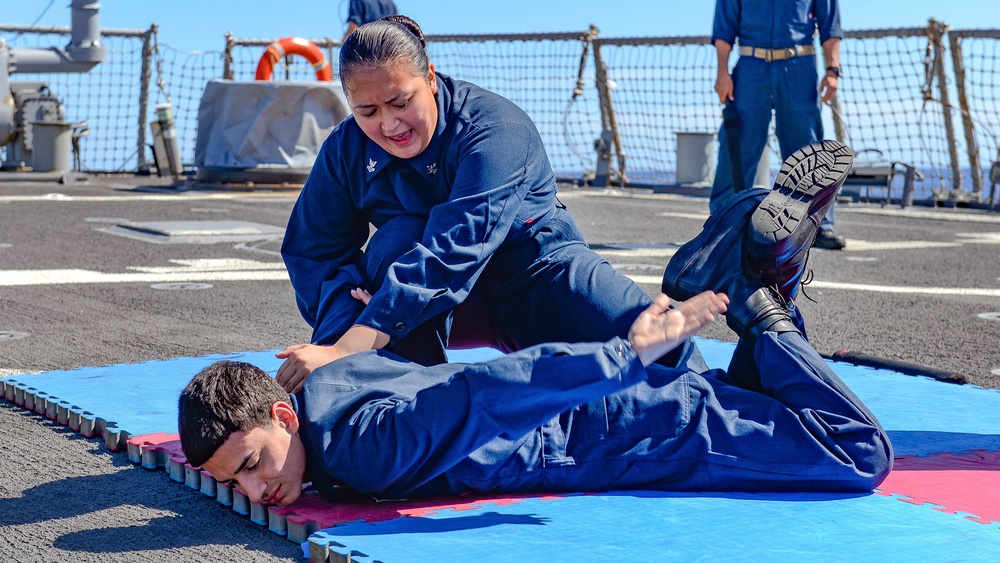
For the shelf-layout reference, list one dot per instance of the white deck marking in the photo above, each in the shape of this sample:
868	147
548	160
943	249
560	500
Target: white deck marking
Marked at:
936	215
677	215
638	252
204	270
855	245
189	196
910	290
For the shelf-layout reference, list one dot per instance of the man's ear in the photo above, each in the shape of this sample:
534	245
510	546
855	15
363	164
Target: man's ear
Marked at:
285	416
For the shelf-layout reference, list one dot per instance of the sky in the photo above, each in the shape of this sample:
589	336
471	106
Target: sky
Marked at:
193	25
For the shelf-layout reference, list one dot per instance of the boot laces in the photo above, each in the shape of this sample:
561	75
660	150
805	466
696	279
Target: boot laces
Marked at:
807	278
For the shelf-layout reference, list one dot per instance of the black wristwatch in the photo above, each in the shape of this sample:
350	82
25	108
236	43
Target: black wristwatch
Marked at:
834	69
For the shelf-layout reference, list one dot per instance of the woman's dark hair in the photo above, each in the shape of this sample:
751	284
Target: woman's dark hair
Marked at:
379	43
223	398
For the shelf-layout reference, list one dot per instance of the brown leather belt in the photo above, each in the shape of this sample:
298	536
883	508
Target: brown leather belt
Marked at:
777	54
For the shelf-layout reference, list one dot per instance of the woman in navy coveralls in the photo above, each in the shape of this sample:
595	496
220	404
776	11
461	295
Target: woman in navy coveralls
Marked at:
472	247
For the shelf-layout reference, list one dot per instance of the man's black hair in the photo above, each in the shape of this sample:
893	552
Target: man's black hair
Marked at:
223	398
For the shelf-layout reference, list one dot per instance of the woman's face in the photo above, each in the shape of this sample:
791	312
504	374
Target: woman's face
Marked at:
395	108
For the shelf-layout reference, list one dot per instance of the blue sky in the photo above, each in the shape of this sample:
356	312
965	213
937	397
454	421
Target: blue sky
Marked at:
201	24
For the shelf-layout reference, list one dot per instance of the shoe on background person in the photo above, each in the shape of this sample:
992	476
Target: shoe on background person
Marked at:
829	240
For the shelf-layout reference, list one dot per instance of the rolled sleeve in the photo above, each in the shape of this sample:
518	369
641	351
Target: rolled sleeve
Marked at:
828	20
727	21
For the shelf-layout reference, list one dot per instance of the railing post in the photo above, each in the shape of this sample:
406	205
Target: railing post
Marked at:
937	34
334	63
975	169
227	58
142	165
608	119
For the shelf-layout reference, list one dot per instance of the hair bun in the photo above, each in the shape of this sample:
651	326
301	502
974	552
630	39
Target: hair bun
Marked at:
410	26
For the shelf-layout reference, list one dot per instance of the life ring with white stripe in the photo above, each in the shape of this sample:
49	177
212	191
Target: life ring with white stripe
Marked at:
294	46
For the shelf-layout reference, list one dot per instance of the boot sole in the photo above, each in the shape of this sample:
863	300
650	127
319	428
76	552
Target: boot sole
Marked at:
808	180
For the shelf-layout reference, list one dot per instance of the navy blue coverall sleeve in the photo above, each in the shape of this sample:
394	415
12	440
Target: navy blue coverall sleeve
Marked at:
321	250
388	432
461	234
775	25
727	21
827	14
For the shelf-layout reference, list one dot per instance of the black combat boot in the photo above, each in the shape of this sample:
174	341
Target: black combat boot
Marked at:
784	225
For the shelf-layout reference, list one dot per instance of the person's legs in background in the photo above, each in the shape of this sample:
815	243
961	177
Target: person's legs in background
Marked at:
752	93
798	122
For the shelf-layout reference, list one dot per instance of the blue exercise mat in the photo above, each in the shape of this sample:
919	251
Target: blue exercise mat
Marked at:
654	526
922	416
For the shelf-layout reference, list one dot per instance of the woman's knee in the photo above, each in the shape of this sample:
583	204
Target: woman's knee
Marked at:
393	239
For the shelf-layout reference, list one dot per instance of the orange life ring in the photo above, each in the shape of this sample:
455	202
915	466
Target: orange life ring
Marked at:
294	46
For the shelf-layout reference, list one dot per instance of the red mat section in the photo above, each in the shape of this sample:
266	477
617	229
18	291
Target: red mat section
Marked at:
311	511
966	483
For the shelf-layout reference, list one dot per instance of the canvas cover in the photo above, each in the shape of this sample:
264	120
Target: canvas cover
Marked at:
266	124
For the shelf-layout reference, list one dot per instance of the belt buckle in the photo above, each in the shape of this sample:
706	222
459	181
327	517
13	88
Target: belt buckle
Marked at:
789	52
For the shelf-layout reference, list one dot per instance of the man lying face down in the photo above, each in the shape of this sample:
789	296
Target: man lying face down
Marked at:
557	417
638	413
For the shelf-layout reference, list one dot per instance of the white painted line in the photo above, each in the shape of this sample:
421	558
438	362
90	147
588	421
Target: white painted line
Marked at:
963	291
676	215
210	265
647	280
966	291
639	252
9	278
854	245
147	197
204	270
6	372
980	238
938	215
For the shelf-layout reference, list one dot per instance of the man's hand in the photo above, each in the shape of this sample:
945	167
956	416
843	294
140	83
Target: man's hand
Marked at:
660	329
723	80
300	361
724	87
828	87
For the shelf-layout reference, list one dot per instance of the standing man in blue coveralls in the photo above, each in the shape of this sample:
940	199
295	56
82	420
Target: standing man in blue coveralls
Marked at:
361	12
578	417
776	71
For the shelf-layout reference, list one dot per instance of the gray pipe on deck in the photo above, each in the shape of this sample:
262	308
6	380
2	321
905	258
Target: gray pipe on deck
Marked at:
85	49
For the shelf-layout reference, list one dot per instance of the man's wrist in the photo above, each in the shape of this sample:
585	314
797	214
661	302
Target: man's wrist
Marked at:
834	70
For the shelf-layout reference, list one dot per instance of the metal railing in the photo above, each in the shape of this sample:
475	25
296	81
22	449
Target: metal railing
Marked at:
638	93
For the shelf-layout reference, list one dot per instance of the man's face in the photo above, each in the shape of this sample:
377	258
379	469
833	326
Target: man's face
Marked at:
268	463
395	108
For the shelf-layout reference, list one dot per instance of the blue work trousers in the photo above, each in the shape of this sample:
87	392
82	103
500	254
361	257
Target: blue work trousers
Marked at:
588	417
548	288
797	427
787	88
